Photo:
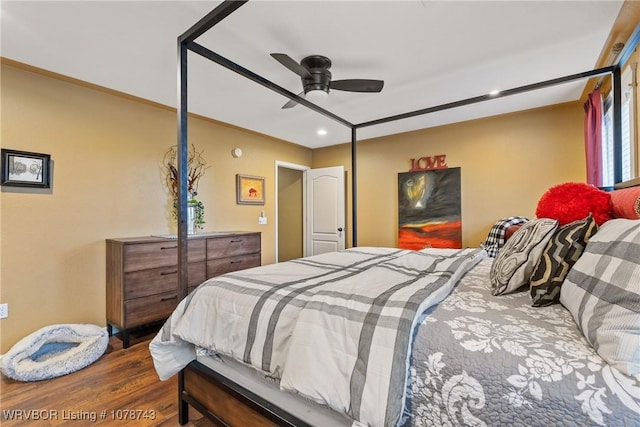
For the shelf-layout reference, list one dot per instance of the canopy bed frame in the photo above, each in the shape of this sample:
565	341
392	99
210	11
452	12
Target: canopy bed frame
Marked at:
212	392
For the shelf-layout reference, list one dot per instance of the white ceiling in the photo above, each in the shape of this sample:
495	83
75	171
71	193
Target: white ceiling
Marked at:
427	52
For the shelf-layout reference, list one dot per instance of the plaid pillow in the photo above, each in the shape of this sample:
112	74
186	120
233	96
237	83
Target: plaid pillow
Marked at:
602	292
563	250
496	238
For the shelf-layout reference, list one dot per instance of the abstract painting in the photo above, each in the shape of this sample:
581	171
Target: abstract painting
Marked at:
429	209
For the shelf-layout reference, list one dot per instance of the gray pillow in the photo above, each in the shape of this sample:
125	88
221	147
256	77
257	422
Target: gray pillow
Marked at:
602	292
516	260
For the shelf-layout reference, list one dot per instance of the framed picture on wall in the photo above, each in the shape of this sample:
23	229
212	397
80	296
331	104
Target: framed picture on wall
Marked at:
429	209
249	190
25	169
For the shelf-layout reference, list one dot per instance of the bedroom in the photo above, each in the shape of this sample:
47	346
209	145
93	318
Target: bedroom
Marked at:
128	137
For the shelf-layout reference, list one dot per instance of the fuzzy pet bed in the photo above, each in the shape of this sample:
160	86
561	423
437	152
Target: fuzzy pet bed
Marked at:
54	351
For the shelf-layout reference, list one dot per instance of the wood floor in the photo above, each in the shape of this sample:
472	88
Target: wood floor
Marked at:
121	388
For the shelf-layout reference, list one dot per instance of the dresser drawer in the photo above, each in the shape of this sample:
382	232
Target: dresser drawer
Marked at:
157	280
160	254
222	247
216	267
197	273
140	311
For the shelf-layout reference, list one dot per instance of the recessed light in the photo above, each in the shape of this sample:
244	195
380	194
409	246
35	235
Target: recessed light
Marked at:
321	132
494	92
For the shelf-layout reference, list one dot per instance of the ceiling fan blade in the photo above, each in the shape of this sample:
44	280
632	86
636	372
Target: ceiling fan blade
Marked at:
292	103
357	85
291	64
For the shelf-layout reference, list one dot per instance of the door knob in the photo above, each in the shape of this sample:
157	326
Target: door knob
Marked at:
339	228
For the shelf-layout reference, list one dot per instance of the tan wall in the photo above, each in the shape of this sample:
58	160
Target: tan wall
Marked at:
107	152
507	162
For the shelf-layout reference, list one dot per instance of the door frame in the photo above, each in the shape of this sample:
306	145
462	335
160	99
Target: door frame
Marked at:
304	169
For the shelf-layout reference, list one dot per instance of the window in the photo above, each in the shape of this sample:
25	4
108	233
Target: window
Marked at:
629	167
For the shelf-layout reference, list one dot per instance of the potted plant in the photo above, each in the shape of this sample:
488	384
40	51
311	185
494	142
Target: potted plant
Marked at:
196	168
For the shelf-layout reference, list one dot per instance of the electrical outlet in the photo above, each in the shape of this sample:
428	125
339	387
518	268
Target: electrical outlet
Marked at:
4	311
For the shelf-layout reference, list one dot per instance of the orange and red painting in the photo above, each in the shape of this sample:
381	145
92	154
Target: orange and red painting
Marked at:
429	209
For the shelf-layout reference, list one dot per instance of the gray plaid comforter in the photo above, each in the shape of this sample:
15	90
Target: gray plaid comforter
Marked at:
335	328
487	360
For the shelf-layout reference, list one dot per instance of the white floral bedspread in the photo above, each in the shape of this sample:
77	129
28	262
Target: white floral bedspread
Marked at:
499	361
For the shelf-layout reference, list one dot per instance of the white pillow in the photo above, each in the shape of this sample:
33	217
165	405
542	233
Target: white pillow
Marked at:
602	292
516	260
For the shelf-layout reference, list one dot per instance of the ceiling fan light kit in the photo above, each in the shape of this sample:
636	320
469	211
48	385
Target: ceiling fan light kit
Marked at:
317	95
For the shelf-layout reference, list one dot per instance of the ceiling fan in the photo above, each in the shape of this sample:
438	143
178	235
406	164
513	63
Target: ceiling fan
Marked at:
316	77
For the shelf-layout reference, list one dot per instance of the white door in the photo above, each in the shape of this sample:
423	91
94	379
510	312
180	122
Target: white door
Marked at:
325	210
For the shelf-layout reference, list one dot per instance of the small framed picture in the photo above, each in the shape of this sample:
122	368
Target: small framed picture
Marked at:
249	190
25	169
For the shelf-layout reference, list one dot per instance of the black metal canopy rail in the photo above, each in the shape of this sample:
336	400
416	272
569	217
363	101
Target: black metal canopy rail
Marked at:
187	42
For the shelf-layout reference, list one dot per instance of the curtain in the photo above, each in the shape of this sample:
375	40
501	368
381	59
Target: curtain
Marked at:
593	137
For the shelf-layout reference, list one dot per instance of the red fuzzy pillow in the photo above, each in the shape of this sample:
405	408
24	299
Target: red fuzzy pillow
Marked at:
573	201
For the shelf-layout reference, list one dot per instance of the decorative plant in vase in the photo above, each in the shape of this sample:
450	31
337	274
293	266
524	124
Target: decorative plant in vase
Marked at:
196	168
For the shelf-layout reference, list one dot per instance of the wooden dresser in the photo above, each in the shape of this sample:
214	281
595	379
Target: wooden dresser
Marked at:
142	273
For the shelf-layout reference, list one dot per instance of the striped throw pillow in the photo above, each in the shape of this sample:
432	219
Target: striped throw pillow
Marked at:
602	292
563	250
516	260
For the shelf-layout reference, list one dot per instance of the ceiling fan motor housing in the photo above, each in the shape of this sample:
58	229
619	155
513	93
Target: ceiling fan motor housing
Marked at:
318	67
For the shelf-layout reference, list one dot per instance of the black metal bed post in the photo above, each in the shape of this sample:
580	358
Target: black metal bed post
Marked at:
183	154
627	51
211	19
616	87
183	407
617	124
354	189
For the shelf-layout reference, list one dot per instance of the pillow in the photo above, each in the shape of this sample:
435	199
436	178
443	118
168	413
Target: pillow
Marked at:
602	292
625	203
561	253
573	201
498	234
512	229
513	266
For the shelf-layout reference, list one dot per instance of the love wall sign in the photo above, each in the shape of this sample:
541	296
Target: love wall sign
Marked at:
426	163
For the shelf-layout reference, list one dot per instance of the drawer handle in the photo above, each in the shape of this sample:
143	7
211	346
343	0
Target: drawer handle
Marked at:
168	247
166	273
235	241
235	262
169	298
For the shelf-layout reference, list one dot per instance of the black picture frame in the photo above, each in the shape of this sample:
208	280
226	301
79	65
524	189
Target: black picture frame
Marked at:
25	169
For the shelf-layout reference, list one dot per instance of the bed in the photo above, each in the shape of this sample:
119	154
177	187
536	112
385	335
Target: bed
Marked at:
470	357
473	351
